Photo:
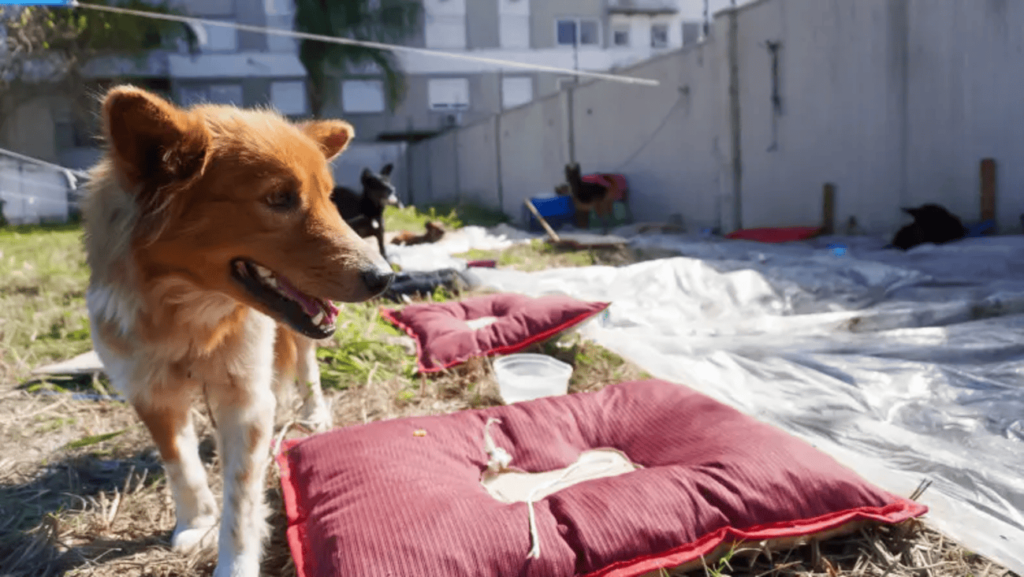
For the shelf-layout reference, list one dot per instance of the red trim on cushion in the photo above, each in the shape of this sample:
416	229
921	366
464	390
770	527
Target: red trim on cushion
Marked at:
394	317
897	512
296	530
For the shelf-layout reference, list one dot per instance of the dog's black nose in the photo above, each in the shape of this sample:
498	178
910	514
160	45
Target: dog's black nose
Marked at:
377	280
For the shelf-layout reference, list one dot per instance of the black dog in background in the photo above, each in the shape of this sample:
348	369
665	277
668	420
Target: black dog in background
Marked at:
364	212
932	223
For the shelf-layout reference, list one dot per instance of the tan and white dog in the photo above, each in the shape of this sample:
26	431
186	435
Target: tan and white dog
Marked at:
216	254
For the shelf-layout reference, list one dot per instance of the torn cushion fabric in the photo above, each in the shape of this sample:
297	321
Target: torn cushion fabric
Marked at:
404	497
449	334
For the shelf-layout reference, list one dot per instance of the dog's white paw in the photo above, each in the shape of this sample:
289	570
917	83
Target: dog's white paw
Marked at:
201	535
238	566
317	417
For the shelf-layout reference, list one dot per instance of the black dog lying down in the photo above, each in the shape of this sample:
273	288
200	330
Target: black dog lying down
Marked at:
932	223
364	212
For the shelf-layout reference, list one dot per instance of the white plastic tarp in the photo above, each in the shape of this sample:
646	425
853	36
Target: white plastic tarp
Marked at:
904	366
435	256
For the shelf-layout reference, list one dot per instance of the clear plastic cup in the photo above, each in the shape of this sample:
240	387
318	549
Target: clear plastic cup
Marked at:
528	376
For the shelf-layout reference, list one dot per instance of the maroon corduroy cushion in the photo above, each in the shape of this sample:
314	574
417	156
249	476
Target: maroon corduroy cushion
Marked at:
443	339
403	497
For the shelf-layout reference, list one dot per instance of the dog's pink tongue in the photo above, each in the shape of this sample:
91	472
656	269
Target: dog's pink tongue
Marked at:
308	303
311	306
331	310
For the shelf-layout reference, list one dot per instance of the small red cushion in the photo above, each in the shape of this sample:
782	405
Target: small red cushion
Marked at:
403	497
443	339
776	235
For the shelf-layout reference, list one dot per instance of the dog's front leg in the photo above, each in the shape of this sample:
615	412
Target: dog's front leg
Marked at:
245	418
379	231
169	421
315	412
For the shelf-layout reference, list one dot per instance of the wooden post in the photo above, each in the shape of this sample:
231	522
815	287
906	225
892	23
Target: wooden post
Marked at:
988	189
828	209
551	233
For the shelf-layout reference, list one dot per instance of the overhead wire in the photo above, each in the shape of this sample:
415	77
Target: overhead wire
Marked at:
367	44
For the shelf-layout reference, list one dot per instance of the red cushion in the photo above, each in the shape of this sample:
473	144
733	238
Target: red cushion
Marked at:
775	235
615	182
443	339
403	497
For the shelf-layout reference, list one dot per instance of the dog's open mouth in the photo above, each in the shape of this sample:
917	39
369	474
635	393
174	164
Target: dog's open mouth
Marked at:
307	314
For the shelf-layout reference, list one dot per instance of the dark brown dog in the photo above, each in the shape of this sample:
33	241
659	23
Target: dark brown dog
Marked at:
587	196
434	233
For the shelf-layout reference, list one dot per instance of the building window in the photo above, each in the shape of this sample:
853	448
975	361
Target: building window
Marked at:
516	91
659	35
691	32
445	30
584	31
220	38
362	96
620	37
230	94
448	93
289	97
513	24
225	94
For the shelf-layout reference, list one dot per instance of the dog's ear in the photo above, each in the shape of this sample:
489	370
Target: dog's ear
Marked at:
152	140
365	175
333	136
386	171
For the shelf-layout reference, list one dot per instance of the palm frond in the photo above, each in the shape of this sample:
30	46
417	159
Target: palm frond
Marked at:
391	21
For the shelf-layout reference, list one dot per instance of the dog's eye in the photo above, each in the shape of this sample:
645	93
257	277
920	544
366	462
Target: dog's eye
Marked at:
283	200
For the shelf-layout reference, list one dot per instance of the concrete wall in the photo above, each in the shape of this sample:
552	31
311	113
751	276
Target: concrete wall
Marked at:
842	83
435	170
533	151
373	155
895	102
964	104
663	139
478	172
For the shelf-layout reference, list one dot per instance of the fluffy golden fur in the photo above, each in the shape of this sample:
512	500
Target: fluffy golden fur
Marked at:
183	210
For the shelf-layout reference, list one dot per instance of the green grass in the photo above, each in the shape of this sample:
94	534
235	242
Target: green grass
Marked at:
539	255
452	216
363	347
94	439
43	277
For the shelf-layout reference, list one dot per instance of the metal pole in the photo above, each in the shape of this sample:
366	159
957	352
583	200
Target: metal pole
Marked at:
707	19
497	139
458	180
571	96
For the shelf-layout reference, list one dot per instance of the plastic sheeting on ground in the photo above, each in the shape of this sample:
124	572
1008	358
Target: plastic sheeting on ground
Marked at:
905	366
438	255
